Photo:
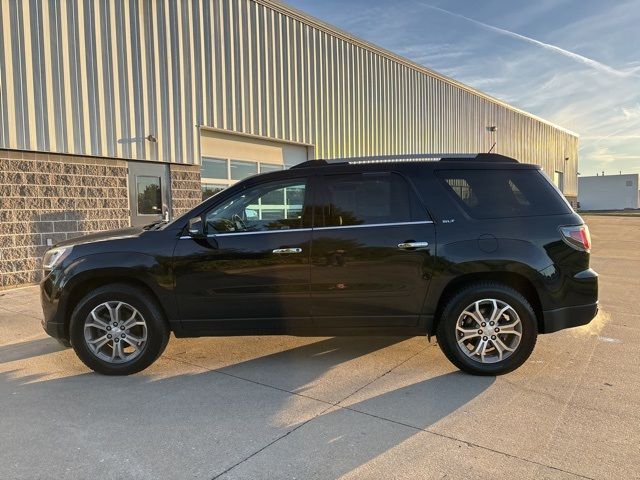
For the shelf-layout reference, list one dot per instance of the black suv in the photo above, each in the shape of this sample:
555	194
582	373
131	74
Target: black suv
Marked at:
482	252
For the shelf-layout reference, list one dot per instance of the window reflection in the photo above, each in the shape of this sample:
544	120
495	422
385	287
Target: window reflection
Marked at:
149	195
267	207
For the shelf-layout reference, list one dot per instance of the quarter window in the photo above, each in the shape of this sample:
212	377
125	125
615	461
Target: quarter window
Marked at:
504	193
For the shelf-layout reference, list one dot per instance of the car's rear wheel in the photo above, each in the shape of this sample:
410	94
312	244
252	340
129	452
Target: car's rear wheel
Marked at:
487	329
118	330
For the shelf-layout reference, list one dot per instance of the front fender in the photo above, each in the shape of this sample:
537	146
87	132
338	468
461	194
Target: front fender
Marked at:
141	268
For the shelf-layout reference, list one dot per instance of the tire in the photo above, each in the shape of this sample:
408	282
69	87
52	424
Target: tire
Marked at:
464	348
142	333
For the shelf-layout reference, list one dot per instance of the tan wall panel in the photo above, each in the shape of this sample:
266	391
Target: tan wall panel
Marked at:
214	144
250	66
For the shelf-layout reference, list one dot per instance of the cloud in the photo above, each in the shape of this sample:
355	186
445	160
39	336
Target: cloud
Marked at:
599	102
631	113
606	155
611	138
601	67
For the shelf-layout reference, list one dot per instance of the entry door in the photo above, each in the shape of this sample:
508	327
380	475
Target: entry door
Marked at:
372	253
148	192
251	270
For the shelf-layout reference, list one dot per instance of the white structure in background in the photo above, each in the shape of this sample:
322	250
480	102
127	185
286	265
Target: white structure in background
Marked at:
609	192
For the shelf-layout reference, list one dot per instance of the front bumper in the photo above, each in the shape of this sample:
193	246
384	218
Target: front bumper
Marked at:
568	317
53	319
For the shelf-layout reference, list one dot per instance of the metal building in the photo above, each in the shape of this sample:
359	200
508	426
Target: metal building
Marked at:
103	100
609	192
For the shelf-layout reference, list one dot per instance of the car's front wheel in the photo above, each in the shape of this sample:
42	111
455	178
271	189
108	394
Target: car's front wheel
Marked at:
118	329
487	329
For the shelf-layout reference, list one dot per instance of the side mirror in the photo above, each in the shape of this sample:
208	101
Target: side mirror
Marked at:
195	227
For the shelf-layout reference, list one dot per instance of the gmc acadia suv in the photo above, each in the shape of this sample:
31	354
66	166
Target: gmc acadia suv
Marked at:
483	252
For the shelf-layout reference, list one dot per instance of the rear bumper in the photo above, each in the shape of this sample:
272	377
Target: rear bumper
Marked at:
568	317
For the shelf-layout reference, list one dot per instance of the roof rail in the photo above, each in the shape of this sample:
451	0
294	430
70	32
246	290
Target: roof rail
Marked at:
407	157
490	157
310	163
411	157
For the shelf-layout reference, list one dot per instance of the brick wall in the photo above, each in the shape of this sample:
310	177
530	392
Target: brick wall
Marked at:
56	197
186	192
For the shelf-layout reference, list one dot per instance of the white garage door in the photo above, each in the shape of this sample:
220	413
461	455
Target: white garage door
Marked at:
227	158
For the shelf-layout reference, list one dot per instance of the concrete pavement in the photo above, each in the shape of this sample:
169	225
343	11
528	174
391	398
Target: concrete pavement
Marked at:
286	407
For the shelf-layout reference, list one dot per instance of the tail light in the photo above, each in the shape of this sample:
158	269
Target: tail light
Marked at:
577	236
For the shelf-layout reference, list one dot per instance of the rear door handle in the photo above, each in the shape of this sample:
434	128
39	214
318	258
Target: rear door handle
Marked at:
287	250
412	245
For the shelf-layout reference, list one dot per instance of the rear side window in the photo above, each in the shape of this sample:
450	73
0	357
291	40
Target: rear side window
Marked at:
367	199
504	193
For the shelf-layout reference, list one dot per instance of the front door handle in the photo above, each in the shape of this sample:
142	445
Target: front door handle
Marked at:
287	250
412	245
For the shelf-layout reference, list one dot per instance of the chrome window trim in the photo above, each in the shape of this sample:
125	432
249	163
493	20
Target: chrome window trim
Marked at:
369	225
284	230
393	224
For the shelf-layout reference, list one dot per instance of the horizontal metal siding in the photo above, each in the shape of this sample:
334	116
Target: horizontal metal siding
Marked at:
96	77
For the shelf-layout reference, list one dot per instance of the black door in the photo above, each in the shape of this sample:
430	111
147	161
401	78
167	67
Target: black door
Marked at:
251	271
371	255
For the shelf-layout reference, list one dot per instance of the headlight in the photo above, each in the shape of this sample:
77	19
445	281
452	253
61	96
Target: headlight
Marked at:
54	256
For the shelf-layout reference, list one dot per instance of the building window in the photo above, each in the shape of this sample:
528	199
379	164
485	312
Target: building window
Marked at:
210	189
149	195
241	169
270	167
214	168
629	183
218	173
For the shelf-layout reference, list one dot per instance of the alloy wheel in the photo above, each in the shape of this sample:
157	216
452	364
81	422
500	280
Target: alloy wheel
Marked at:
488	330
115	332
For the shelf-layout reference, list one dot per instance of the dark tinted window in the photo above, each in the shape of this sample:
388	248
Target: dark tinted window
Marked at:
365	199
504	193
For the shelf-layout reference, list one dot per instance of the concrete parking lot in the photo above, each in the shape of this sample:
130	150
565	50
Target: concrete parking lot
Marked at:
285	407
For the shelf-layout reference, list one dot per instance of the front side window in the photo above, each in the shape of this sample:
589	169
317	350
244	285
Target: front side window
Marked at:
274	206
368	199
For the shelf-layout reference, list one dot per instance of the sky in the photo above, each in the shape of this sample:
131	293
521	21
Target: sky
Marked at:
575	63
